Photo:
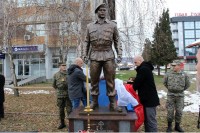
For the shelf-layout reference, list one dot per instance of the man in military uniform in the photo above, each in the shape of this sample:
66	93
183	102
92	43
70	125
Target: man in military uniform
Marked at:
176	81
63	101
100	36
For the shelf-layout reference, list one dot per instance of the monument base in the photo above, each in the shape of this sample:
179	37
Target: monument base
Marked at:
102	120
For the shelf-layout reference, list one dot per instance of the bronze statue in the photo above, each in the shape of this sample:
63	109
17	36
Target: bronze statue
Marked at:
97	48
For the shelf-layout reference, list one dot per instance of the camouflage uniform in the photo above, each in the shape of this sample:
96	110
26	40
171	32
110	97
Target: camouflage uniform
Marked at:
60	84
176	83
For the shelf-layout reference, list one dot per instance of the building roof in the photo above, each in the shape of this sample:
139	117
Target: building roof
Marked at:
185	19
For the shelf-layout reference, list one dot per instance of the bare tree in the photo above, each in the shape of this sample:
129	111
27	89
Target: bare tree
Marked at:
64	25
11	24
111	9
137	19
73	17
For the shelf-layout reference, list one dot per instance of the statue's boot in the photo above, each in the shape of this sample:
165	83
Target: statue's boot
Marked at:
94	103
113	106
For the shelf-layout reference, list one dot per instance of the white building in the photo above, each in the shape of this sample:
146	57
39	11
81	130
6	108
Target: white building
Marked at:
185	30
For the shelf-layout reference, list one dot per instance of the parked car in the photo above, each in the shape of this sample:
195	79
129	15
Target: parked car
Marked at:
124	68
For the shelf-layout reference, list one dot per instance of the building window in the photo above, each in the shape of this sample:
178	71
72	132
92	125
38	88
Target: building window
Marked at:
55	1
55	61
188	41
189	34
197	33
189	25
38	29
197	25
189	51
22	3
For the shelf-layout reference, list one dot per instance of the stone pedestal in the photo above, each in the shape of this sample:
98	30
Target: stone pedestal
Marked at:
102	120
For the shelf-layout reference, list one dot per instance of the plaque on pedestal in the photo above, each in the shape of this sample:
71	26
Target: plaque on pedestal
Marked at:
102	120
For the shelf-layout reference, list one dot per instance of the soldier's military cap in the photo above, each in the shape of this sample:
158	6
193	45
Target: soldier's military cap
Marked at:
100	5
176	62
61	64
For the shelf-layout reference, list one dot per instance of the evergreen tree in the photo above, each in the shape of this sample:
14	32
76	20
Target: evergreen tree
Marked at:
146	54
163	49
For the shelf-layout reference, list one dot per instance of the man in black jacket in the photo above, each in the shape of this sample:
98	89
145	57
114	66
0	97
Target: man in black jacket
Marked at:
145	85
2	96
76	88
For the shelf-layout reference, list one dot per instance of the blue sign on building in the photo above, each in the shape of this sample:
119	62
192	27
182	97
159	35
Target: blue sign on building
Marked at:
25	48
2	56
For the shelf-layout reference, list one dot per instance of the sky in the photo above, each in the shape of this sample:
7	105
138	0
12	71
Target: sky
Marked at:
191	7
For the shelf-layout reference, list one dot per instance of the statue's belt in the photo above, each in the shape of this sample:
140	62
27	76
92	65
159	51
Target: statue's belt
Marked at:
101	47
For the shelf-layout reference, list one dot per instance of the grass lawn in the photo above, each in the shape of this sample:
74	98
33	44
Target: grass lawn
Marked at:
38	112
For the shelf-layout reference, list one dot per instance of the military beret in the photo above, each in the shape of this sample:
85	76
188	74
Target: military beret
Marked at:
176	62
61	64
100	5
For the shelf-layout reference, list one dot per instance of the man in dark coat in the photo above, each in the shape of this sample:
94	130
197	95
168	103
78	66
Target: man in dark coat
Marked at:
76	88
2	96
145	85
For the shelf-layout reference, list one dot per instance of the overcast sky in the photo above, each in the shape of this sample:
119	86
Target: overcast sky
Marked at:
183	6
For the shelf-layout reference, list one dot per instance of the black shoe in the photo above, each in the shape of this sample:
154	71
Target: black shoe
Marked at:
2	116
169	128
178	128
62	126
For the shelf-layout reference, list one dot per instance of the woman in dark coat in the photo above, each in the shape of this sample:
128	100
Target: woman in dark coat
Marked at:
2	97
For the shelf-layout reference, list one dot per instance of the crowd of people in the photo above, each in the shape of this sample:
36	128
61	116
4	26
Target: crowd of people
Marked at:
176	81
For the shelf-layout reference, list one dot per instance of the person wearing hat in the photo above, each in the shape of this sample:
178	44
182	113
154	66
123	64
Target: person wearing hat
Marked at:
100	36
176	82
63	101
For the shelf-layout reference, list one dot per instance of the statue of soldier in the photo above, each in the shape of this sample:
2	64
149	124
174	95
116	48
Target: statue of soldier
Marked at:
176	81
97	48
63	101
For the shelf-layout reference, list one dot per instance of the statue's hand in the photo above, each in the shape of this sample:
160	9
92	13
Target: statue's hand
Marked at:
119	58
85	60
